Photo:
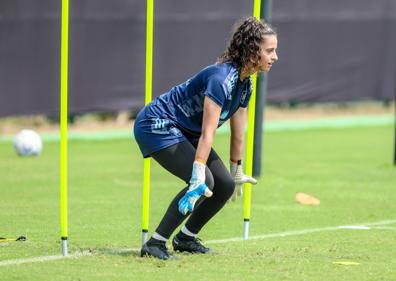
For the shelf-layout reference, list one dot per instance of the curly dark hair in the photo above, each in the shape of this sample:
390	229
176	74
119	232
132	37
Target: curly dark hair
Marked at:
243	49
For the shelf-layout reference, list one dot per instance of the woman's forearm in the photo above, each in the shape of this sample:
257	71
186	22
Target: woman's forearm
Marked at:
204	146
236	148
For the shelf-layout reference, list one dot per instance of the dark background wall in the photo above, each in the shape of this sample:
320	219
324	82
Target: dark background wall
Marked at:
341	50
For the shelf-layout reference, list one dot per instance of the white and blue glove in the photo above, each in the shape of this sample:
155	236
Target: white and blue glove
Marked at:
196	189
240	179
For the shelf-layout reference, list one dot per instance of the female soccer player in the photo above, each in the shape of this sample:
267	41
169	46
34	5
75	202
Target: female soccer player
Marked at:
177	130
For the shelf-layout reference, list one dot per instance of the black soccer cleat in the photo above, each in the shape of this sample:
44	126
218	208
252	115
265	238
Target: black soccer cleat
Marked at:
191	245
155	248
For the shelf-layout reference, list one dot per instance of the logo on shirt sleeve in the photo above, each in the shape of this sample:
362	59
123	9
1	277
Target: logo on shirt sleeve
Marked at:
230	83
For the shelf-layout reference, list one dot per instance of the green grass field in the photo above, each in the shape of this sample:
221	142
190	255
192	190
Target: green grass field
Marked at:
349	169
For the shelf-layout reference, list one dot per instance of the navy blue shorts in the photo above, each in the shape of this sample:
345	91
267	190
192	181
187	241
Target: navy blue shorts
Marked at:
154	134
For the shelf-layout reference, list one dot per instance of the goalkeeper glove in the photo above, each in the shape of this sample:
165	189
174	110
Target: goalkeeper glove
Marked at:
240	179
196	189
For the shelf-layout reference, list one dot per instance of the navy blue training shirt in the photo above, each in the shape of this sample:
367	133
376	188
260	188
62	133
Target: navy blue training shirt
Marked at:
179	112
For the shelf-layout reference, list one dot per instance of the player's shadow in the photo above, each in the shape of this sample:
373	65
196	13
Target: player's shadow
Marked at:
124	252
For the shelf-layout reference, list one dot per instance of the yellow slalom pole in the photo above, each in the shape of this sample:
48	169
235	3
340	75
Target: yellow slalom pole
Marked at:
249	142
63	122
147	99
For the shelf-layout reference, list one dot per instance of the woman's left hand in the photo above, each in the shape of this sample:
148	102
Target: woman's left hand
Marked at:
240	179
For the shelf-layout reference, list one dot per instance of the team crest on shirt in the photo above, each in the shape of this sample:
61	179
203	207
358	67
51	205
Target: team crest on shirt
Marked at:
243	96
247	90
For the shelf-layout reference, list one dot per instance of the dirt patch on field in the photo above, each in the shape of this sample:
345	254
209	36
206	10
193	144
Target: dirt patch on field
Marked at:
124	120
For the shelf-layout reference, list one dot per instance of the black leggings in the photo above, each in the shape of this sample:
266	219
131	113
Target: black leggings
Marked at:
178	160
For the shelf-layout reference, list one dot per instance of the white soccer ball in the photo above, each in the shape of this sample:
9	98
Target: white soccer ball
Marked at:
28	143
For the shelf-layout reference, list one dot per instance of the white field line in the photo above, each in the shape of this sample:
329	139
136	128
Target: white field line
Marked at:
299	232
220	241
44	258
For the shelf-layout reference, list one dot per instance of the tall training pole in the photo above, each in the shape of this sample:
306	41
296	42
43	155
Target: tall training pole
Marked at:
249	143
147	99
262	89
63	122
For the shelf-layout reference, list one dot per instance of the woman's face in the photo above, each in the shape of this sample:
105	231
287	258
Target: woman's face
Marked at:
268	53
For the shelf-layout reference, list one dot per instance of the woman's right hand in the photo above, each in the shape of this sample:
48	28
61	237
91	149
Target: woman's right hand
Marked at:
196	189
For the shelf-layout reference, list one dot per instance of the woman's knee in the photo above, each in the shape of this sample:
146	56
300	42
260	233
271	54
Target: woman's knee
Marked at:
209	181
224	188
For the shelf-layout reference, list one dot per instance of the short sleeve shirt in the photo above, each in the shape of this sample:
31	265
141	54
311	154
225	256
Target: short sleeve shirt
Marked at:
183	104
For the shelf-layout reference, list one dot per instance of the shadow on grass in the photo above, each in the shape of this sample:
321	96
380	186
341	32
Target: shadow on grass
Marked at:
123	252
